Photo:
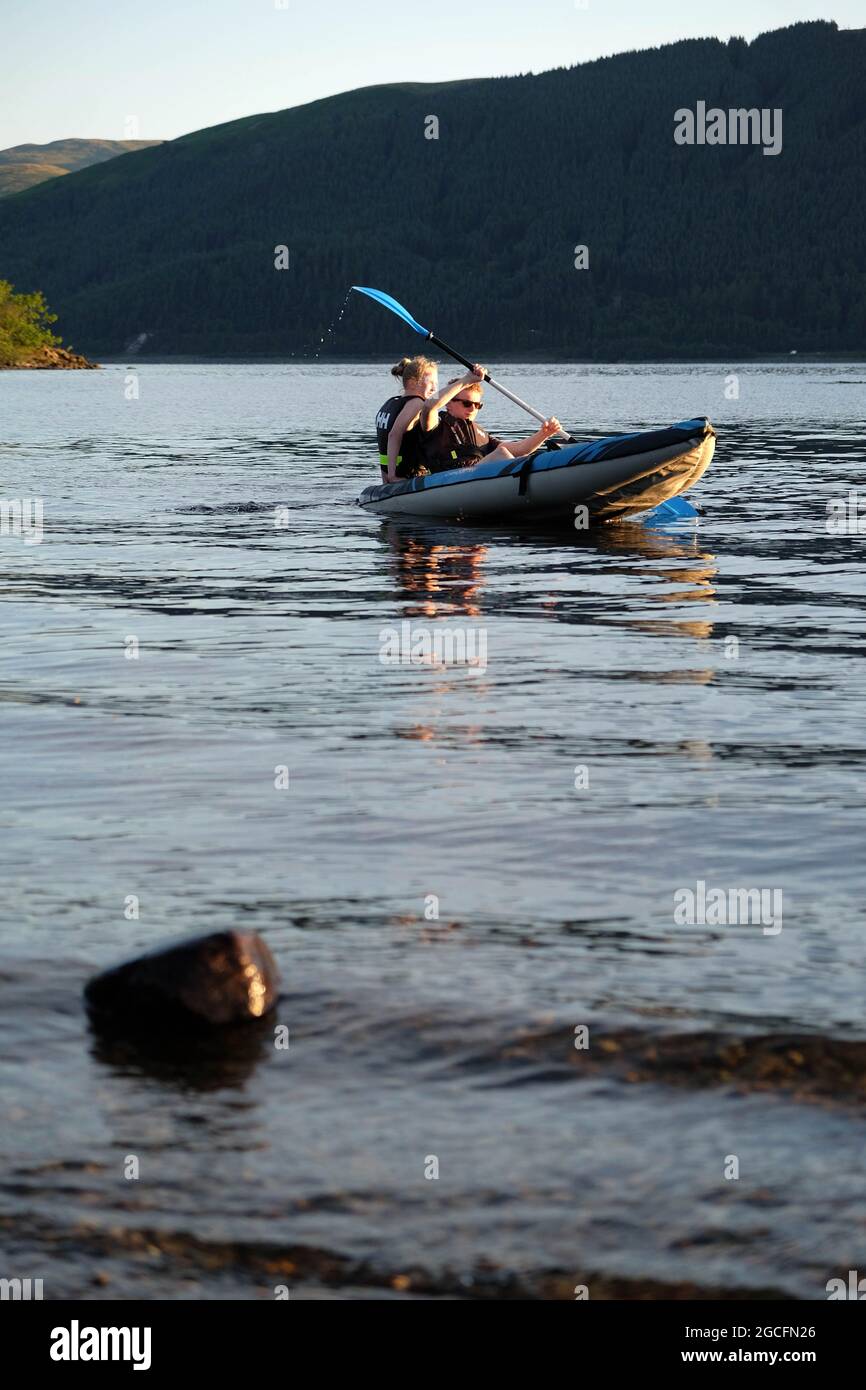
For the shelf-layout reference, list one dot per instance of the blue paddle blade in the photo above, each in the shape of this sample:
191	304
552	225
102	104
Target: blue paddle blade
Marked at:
676	508
382	298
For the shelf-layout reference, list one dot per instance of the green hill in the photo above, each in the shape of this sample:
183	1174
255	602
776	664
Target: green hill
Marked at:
23	166
693	249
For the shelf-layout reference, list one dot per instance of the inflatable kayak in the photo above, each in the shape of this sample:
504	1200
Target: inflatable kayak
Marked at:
612	478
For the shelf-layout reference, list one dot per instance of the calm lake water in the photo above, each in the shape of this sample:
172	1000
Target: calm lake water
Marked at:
610	664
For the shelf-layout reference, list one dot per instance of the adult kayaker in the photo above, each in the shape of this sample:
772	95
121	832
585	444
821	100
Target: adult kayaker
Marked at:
458	441
398	423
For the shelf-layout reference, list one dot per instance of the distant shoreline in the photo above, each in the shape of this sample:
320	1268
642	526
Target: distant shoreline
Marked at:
373	359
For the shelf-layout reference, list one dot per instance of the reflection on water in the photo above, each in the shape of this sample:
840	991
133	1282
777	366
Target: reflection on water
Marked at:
225	1061
434	577
439	570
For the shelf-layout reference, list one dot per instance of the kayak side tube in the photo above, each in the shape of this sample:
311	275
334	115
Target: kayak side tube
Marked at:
613	478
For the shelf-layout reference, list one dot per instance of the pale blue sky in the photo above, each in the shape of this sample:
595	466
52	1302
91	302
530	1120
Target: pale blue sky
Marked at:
81	67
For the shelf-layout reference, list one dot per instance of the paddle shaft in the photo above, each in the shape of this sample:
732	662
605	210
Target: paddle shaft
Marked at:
536	414
388	302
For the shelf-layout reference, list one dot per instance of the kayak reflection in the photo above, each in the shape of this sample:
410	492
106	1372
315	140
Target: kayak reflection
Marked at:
435	574
437	571
609	589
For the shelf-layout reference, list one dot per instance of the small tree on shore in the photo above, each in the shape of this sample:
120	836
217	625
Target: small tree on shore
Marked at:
24	320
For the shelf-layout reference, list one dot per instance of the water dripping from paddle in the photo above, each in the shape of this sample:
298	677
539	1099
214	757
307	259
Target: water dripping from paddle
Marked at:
330	331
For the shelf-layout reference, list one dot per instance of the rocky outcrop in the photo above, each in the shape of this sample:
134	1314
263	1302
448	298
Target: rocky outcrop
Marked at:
47	358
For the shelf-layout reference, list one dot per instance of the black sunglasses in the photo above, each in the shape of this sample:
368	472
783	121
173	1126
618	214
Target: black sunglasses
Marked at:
463	400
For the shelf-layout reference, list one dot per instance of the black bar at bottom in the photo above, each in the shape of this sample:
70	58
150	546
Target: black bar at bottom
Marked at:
222	1338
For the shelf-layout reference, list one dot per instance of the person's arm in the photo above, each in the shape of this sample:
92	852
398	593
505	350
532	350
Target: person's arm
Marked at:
431	407
521	447
407	417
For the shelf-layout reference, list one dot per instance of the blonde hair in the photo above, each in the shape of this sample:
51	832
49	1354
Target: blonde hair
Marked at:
413	368
470	385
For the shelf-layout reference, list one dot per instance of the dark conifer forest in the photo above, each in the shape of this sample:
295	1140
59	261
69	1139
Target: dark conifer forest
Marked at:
692	250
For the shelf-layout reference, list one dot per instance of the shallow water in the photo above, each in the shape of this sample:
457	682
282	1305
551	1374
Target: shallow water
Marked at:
413	1035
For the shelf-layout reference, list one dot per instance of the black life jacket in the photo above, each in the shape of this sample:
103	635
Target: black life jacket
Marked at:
454	444
410	459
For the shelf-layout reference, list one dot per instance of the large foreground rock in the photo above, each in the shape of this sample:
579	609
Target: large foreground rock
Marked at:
224	978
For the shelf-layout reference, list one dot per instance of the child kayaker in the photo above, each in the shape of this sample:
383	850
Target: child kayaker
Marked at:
398	424
457	441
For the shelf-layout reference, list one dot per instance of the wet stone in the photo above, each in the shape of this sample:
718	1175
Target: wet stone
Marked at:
208	981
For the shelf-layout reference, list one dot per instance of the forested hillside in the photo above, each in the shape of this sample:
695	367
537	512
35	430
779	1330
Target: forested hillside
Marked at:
693	249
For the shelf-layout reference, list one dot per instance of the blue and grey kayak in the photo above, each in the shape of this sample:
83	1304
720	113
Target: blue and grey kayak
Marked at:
616	477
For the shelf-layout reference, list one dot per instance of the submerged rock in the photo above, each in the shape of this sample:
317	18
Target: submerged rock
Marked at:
206	981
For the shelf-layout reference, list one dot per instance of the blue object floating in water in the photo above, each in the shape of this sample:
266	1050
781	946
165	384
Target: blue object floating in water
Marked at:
675	509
